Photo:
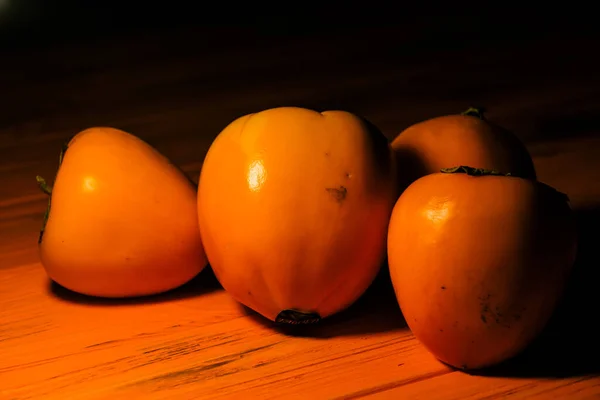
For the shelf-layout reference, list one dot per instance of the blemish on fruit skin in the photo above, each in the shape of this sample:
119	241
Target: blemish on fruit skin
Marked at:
443	287
339	193
348	175
491	313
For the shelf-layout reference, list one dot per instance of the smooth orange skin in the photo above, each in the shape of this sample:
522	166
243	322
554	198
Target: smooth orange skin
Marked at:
452	140
478	264
277	234
123	220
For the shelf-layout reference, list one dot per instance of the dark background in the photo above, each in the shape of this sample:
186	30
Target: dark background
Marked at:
185	69
39	22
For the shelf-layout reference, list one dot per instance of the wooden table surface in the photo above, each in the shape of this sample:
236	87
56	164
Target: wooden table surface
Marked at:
196	342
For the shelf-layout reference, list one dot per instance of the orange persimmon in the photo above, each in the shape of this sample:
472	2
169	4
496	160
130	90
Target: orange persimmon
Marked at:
122	220
462	139
293	207
478	262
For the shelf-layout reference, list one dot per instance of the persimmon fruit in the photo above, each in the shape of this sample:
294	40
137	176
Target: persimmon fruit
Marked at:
479	261
461	139
122	219
293	207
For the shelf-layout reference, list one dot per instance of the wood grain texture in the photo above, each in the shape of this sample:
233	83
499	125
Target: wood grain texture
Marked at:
196	342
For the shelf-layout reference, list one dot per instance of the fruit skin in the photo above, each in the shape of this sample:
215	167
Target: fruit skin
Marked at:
478	263
462	139
122	220
293	208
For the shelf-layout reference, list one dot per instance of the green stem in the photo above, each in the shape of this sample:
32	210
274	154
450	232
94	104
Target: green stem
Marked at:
48	189
475	112
43	185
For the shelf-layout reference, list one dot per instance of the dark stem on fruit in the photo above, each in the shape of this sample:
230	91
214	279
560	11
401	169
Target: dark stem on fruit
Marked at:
475	112
297	317
43	185
464	169
48	189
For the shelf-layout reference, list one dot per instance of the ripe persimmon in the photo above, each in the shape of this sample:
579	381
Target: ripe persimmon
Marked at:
478	261
461	139
293	207
122	219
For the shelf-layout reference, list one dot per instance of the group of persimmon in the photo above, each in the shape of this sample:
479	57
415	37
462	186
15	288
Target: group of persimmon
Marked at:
296	210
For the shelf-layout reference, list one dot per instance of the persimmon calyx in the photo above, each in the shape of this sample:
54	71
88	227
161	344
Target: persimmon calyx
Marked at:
297	317
48	189
464	169
475	112
43	185
472	171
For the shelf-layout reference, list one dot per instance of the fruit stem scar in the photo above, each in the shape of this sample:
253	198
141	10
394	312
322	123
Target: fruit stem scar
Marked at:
339	194
475	112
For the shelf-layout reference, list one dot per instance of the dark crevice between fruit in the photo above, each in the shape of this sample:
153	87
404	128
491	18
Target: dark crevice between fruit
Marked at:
475	112
553	191
44	187
297	317
189	178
